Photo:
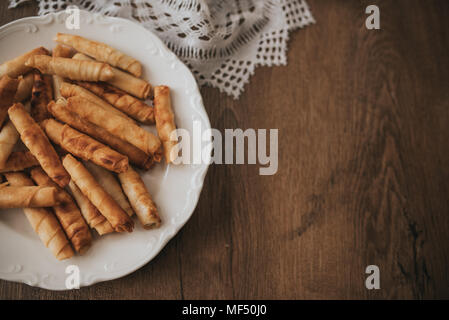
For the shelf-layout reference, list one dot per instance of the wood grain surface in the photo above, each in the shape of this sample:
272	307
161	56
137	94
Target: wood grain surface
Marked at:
363	171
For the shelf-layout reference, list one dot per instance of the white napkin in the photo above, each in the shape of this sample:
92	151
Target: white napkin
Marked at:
220	41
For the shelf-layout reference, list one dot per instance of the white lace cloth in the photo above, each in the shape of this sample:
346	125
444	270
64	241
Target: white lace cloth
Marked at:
220	41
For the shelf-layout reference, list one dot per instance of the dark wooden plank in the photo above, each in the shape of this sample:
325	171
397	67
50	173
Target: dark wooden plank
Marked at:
25	10
363	171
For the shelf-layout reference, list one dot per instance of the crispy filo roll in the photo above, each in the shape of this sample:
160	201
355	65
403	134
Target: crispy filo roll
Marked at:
67	213
37	142
63	52
165	121
91	214
110	184
8	139
133	107
70	90
41	95
84	147
101	52
19	161
124	81
108	207
134	154
17	67
44	222
57	82
25	87
8	89
140	199
71	69
29	197
116	125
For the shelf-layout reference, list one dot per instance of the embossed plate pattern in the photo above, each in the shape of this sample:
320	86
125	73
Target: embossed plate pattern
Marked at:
175	189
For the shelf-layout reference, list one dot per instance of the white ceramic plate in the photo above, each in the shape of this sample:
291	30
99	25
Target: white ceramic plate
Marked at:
175	189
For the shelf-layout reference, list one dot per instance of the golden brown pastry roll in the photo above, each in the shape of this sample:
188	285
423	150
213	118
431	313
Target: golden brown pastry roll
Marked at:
41	95
69	90
108	207
133	107
17	67
165	121
134	154
57	82
67	213
29	197
140	199
116	125
37	142
71	69
101	52
19	161
25	87
8	139
8	88
91	214
124	81
84	147
110	184
63	52
44	222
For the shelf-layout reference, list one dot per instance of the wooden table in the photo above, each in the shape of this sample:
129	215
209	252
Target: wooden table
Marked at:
363	171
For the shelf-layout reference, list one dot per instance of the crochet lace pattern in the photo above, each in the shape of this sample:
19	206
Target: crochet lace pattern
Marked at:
222	42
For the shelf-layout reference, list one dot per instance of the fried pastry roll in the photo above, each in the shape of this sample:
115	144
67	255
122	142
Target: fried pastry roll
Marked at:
140	199
67	213
8	88
116	125
70	90
108	207
165	121
41	95
101	52
37	142
57	82
17	67
19	161
122	80
29	197
110	184
62	52
91	214
84	147
8	139
133	107
134	154
25	87
71	69
43	222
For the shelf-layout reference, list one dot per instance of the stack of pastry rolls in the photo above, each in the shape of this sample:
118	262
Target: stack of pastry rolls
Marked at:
70	135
